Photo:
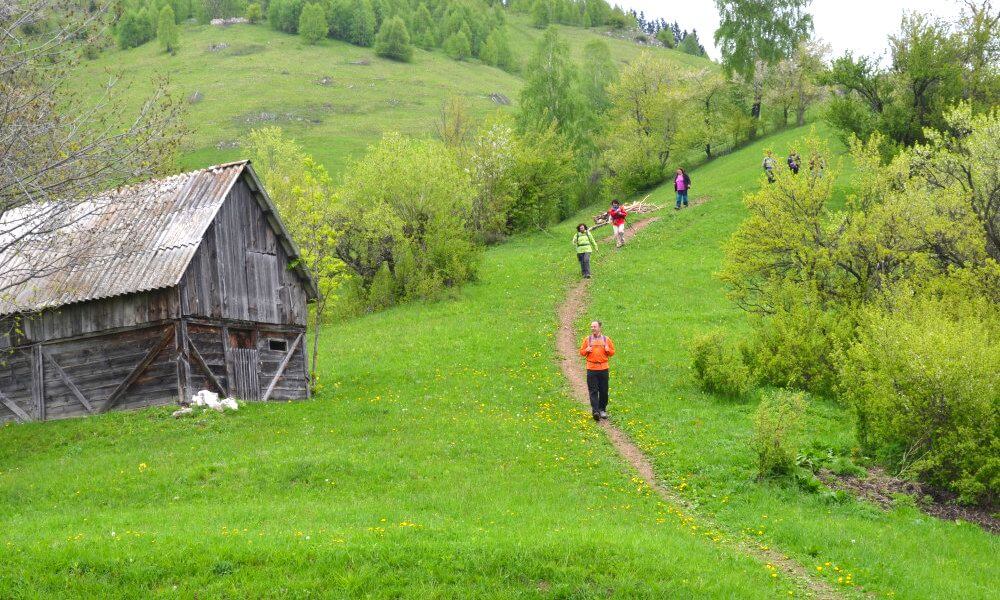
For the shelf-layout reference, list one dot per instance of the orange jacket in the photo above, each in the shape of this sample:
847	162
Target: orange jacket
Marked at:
601	350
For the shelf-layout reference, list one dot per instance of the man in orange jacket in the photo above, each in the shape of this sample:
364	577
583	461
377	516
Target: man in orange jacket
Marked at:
597	348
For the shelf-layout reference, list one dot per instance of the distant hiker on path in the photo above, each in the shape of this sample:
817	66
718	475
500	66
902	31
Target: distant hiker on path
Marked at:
597	348
769	164
794	161
585	244
617	213
682	183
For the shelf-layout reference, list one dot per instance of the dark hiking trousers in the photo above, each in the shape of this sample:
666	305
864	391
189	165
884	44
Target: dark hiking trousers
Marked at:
597	387
584	258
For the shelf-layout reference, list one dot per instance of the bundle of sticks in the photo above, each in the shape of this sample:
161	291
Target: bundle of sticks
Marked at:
633	208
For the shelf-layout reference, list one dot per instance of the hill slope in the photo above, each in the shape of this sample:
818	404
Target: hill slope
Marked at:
334	98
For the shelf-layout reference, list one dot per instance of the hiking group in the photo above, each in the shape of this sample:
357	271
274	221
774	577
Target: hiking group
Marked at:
583	239
794	161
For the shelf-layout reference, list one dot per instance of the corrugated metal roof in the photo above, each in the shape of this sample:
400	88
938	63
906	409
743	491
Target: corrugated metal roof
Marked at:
132	239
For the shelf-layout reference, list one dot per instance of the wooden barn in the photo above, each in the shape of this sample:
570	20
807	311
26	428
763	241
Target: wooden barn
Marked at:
149	293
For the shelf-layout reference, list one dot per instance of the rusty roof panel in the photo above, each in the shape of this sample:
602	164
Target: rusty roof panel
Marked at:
131	239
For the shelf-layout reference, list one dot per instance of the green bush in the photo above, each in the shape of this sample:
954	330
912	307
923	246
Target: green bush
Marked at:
312	23
777	429
719	367
923	383
796	346
254	13
393	41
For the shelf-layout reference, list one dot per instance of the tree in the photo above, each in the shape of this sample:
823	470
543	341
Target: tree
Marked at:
363	24
402	216
61	147
284	15
496	51
597	72
541	14
550	96
458	46
691	45
304	194
133	30
755	33
712	114
423	28
666	37
166	30
393	40
926	77
312	23
646	111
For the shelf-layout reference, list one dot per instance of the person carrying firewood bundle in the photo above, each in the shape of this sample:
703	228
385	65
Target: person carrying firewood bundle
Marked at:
617	214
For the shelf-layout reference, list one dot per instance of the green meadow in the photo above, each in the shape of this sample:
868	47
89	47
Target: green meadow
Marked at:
444	458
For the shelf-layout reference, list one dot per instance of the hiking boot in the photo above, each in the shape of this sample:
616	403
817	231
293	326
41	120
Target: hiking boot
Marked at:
604	414
597	416
678	207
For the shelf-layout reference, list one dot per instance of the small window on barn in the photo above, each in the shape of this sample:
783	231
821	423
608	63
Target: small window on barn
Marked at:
278	345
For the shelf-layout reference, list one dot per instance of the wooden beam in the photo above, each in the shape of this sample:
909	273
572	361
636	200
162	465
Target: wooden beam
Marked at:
281	367
305	365
14	408
147	360
68	382
38	381
200	360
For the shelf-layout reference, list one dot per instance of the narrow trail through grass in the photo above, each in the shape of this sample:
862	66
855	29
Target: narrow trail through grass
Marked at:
569	313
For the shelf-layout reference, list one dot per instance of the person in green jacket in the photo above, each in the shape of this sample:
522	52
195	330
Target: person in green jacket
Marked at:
584	242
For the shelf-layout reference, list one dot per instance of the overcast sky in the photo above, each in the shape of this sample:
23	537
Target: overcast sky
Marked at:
859	25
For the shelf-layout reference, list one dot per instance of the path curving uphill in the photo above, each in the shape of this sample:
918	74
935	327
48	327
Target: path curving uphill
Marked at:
566	343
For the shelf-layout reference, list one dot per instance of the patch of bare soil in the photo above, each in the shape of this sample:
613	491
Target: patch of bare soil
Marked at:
566	343
883	489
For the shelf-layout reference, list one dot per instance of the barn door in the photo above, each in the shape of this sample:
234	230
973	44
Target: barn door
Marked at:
246	373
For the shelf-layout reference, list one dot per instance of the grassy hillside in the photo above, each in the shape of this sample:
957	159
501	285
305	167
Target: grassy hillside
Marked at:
444	458
334	98
655	303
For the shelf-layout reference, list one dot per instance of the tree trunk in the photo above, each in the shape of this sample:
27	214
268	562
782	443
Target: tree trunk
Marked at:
800	116
755	117
318	312
708	150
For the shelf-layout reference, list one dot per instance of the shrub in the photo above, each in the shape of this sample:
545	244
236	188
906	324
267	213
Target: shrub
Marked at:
458	46
312	23
393	40
777	428
923	385
254	13
134	30
796	346
719	366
